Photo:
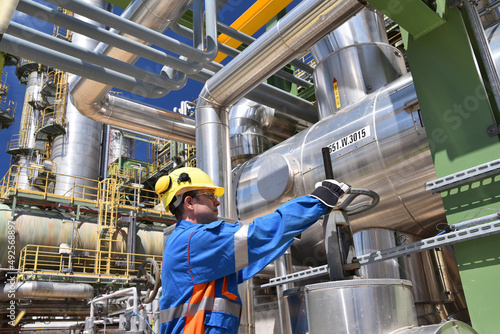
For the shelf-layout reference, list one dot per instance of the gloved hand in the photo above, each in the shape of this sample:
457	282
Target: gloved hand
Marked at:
329	191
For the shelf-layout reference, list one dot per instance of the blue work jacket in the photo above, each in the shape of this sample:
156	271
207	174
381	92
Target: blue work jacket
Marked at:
203	265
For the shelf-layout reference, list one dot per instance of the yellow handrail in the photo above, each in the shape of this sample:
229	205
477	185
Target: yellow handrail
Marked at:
62	261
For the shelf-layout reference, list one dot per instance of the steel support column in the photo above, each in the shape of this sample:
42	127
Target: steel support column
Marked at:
456	114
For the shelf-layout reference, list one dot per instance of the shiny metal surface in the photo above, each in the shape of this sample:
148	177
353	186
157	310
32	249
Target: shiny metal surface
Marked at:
437	287
438	291
445	327
46	291
371	240
247	120
77	152
376	306
301	28
89	95
306	24
367	26
360	62
50	229
392	159
143	118
358	70
119	146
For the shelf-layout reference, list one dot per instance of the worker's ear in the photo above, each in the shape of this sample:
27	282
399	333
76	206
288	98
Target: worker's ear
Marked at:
188	203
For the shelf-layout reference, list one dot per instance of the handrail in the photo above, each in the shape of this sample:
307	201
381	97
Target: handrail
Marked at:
39	260
36	181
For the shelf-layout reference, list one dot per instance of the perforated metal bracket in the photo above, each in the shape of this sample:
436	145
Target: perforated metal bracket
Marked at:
493	130
470	233
468	175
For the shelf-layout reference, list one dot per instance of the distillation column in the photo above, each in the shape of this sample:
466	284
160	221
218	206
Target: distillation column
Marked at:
77	153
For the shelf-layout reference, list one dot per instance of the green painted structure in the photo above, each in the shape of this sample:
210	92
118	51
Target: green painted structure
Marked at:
457	109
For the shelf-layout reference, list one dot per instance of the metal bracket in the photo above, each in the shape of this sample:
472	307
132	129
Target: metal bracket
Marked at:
471	174
493	130
470	233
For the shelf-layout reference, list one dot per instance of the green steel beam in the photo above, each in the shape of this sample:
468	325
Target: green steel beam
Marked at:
405	12
456	113
120	3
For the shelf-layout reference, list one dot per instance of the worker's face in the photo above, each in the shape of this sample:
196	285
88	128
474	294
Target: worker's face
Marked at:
205	206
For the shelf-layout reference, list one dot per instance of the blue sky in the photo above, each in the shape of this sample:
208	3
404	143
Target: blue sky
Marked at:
232	10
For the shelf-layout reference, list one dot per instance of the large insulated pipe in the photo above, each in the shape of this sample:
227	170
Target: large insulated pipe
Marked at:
353	61
299	29
380	144
45	291
47	228
143	118
155	15
247	120
8	9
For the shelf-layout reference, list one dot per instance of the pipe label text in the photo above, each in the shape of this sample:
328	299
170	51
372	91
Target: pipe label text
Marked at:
350	139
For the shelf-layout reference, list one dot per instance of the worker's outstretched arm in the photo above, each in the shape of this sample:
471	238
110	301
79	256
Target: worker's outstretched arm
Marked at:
248	248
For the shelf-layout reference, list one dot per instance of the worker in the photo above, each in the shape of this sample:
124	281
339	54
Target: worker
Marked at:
205	258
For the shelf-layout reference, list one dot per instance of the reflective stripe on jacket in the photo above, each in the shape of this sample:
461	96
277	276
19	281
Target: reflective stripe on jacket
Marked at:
203	264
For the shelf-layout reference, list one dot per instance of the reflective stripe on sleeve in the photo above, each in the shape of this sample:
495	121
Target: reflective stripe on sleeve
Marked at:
207	304
241	247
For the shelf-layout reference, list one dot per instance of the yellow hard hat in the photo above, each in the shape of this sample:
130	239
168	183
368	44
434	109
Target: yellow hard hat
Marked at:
183	180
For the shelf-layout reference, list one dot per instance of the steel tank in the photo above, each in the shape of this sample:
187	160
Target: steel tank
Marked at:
39	227
375	306
77	152
377	143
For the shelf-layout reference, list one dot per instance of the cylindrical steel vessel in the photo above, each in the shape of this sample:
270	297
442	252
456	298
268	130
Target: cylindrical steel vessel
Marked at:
377	143
375	306
77	152
47	228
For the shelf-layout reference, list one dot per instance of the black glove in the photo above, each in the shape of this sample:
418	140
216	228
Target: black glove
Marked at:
329	191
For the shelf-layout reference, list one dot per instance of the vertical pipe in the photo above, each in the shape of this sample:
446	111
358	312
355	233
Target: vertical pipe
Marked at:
282	266
485	53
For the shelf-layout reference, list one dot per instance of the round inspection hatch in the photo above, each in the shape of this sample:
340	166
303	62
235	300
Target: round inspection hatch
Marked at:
275	177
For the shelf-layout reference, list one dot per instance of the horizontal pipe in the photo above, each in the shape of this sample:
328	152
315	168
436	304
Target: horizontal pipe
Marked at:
141	32
244	38
96	32
46	56
188	33
302	27
56	44
45	290
125	113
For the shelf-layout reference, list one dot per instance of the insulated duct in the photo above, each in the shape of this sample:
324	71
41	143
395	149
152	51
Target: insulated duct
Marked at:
154	14
299	29
45	291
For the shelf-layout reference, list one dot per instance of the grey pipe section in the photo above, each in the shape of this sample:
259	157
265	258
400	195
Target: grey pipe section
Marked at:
131	115
8	9
110	38
247	120
74	65
213	66
231	32
91	100
45	290
46	56
306	24
56	44
142	29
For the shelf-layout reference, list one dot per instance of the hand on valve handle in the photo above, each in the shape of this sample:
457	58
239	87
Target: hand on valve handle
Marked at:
329	191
